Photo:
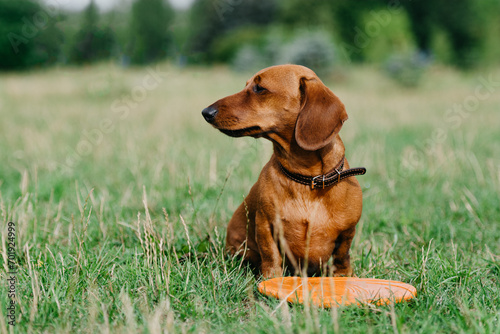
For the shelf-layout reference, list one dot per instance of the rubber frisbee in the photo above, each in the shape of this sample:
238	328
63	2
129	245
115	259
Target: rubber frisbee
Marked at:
337	291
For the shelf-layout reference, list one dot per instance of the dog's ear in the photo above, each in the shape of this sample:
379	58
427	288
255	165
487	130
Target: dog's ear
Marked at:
321	116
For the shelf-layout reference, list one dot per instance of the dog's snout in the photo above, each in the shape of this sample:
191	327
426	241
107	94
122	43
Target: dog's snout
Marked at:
209	113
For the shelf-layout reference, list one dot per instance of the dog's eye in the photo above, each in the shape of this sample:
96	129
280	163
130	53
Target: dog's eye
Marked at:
259	89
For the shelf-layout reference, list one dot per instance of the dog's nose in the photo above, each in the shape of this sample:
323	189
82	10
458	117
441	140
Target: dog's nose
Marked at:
209	113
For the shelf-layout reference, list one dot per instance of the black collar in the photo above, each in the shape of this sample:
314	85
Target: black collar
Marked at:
329	179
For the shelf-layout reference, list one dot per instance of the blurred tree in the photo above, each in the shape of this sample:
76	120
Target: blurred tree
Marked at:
462	21
348	17
92	42
29	35
213	19
48	44
311	14
206	27
150	35
225	48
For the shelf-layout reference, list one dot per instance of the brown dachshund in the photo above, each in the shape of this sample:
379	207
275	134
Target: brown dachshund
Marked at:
306	203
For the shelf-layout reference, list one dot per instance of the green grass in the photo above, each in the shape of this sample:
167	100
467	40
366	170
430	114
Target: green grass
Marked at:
128	236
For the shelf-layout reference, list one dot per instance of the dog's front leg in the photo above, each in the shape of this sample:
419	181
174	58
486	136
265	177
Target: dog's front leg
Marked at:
268	248
342	259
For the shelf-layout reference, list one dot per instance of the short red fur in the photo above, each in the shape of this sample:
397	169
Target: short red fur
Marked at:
281	219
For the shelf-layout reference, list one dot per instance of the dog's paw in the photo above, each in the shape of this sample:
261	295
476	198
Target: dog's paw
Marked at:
271	272
347	272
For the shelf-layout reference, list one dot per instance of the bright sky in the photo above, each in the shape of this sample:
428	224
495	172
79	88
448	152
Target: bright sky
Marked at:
108	4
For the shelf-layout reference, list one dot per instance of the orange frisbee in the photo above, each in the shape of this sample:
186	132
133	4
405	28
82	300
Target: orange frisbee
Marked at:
336	291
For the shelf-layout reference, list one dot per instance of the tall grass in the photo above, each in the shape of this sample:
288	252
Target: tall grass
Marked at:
126	233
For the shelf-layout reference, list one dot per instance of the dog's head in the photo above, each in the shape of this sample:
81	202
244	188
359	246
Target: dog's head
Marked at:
285	102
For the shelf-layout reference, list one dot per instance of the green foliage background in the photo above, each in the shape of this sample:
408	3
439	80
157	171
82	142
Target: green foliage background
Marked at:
214	31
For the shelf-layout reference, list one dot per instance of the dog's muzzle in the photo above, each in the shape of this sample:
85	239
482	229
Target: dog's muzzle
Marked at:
209	113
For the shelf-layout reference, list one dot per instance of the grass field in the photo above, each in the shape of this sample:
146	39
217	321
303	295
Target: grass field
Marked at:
120	194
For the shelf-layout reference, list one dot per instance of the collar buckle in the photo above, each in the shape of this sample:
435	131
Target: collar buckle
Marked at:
313	181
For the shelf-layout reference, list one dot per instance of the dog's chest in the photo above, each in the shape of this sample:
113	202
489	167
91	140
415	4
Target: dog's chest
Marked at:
307	224
301	217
